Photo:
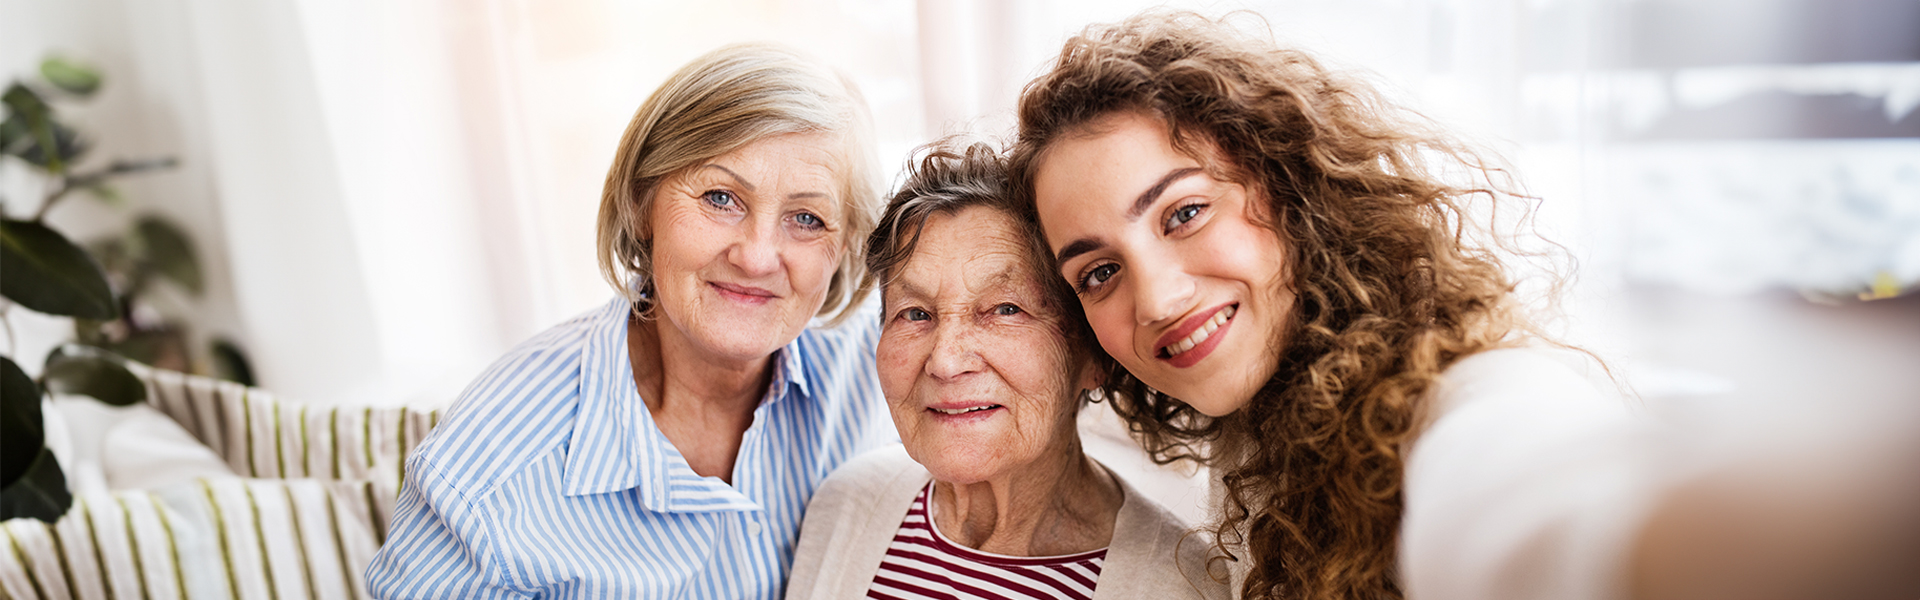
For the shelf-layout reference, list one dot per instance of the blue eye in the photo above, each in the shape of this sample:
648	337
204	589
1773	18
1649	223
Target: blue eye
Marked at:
1183	214
1006	309
915	314
720	199
809	221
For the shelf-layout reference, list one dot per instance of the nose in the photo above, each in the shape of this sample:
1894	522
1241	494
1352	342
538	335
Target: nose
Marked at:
1161	291
757	254
953	355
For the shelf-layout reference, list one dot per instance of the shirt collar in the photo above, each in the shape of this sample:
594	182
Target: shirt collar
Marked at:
789	373
614	445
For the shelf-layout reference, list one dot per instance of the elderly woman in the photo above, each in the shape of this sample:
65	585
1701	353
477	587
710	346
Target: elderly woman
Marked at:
665	444
983	360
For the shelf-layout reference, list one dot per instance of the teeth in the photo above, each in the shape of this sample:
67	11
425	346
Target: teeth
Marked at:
961	411
1201	334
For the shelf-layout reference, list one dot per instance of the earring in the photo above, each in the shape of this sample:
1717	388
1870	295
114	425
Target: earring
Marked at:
1095	395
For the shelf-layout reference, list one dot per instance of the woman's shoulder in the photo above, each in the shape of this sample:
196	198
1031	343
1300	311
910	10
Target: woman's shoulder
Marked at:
1155	553
850	522
1528	372
872	474
520	407
876	485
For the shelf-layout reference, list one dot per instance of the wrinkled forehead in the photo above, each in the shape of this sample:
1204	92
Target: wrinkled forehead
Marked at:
969	252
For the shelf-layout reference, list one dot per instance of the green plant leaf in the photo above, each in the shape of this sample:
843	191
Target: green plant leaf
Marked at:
168	251
90	371
40	494
47	273
230	363
70	76
47	143
21	432
13	131
67	144
26	104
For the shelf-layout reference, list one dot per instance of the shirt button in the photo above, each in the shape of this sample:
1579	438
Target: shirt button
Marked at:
753	528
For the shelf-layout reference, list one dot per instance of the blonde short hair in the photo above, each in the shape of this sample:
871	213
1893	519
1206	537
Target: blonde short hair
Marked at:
721	101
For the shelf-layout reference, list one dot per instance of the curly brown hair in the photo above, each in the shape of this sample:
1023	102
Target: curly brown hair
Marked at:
1391	279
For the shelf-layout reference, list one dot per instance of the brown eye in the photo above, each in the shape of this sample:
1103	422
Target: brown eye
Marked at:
1097	276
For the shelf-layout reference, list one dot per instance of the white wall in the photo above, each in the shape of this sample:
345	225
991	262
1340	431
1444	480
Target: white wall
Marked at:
150	106
321	178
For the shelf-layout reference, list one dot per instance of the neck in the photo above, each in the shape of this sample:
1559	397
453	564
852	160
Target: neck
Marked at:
1061	504
674	376
703	404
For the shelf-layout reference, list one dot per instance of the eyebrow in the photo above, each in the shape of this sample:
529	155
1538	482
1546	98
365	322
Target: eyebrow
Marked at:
749	186
736	176
1146	199
906	289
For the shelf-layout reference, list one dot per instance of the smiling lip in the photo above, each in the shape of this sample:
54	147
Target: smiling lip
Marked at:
1192	356
742	293
963	411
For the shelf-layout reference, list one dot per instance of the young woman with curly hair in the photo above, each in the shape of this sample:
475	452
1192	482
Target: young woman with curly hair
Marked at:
1287	273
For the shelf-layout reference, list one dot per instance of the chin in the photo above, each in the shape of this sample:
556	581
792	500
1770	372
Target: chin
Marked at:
958	465
750	336
1216	410
733	341
1210	400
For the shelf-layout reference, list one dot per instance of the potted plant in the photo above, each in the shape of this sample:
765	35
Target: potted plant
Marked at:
99	285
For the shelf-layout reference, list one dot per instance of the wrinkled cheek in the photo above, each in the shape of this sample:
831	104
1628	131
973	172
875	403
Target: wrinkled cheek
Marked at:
812	271
897	365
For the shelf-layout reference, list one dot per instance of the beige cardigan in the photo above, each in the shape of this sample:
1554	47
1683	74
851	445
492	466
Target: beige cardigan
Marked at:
855	514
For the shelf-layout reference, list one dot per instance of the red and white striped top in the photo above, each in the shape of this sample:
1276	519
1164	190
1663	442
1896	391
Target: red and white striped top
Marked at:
923	564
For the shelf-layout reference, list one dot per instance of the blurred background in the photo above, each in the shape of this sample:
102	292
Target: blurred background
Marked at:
385	195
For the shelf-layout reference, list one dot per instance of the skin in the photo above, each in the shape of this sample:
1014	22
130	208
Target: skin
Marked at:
965	327
1156	246
744	249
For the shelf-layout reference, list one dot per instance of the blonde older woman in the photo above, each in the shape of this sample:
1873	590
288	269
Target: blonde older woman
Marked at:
983	359
665	444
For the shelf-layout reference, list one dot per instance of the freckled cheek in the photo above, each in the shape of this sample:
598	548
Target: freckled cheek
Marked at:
898	362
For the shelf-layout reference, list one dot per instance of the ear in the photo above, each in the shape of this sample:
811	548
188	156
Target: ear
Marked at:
1092	373
641	219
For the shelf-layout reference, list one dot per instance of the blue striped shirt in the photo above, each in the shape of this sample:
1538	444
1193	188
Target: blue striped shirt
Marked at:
550	479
